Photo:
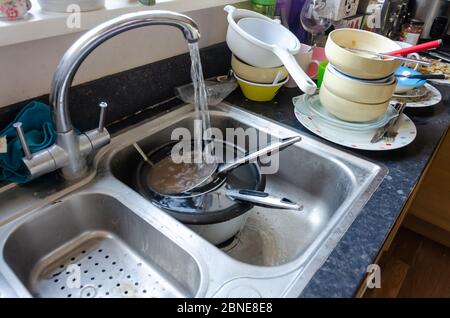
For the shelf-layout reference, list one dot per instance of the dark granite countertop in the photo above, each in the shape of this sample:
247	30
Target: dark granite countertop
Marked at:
345	268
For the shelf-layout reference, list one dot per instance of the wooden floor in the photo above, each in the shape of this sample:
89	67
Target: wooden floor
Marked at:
413	267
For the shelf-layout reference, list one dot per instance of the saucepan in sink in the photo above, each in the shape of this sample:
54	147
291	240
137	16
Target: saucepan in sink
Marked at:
219	209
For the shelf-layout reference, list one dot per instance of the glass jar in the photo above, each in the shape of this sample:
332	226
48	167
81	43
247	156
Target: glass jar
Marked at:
411	31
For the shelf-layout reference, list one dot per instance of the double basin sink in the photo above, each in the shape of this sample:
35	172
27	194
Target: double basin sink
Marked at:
103	239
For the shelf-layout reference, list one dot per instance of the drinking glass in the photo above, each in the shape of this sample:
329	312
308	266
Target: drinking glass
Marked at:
316	16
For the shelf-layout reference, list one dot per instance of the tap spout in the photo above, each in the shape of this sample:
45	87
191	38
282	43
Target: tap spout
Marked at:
76	54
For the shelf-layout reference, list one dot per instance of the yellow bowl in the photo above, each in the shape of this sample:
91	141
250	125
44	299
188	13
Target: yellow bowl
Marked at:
259	92
257	74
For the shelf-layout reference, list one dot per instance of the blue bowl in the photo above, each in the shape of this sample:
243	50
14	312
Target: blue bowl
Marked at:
405	84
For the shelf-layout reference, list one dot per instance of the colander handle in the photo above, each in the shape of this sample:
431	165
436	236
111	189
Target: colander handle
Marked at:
303	81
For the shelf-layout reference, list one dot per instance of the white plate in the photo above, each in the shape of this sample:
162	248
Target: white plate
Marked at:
414	93
361	139
432	98
440	81
310	105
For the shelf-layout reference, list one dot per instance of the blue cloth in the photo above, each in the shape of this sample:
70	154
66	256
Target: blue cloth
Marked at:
37	123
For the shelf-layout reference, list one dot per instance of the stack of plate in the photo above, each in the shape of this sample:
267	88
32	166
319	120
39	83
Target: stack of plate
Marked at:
312	114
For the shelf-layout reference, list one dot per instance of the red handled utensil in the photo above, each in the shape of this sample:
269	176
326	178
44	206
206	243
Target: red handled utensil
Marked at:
417	48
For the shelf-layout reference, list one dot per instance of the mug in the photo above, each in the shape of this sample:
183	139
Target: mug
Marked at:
321	71
411	55
305	59
14	9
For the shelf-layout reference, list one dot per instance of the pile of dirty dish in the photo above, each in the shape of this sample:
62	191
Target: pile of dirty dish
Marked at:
263	55
357	87
258	84
354	106
415	92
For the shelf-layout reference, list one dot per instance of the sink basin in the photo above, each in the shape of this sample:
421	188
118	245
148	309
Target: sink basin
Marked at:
326	184
275	254
94	246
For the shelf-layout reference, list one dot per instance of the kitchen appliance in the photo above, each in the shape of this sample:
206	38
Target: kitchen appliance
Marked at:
394	13
435	15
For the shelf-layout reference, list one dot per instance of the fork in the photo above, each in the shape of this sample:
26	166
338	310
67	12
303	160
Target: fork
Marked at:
392	131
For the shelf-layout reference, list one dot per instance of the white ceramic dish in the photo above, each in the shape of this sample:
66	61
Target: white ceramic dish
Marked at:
373	81
311	106
430	98
262	42
356	90
257	74
406	134
414	93
405	84
357	64
348	110
250	49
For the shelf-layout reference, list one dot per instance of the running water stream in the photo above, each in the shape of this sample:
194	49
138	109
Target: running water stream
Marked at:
201	107
169	175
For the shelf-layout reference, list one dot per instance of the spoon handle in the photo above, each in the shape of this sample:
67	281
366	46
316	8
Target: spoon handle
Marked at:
142	153
276	146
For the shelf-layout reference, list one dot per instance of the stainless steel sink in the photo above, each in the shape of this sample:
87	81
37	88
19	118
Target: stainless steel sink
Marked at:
275	255
115	253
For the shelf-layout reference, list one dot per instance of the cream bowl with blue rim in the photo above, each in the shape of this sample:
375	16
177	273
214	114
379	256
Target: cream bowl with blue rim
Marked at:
405	84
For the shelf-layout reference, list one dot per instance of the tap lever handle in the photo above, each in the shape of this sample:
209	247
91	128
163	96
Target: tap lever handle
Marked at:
22	140
101	122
